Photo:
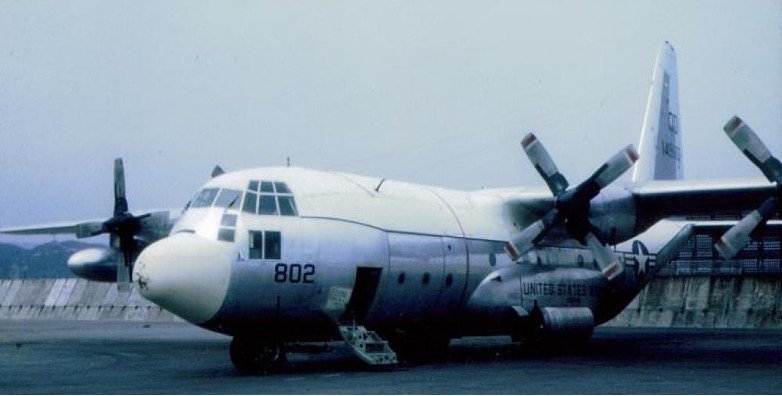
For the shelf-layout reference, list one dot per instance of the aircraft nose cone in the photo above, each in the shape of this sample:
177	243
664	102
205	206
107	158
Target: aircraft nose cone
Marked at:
186	274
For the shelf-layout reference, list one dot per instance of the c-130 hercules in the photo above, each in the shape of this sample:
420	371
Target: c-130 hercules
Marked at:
277	257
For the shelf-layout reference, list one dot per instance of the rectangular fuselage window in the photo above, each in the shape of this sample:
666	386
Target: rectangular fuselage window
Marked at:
272	248
226	234
228	220
256	245
265	245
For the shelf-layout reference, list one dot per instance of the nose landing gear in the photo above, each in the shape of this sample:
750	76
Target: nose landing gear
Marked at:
251	355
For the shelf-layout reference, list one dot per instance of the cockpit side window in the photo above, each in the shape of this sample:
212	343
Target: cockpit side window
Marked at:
228	198
204	198
250	203
287	206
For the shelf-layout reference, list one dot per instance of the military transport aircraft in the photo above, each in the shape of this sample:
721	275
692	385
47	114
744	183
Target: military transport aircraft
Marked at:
277	257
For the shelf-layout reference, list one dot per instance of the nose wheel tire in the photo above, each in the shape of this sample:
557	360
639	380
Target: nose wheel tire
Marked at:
253	356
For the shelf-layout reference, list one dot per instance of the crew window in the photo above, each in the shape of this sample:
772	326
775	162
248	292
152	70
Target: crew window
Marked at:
268	205
269	198
266	187
281	188
226	234
228	198
256	244
250	203
204	198
228	220
272	245
265	245
287	206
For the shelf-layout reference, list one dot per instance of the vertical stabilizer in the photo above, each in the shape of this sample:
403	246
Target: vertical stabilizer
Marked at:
660	147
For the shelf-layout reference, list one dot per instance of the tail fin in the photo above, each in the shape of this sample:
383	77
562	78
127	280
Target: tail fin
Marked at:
660	147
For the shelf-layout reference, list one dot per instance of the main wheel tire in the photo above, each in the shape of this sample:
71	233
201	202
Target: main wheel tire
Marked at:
251	356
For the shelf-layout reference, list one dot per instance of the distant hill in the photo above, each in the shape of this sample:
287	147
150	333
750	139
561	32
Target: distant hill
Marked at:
47	260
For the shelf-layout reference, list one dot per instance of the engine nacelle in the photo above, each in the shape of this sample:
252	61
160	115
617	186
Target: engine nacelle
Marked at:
574	323
613	212
95	264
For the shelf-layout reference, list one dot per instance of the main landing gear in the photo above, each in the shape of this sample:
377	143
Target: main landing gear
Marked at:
252	356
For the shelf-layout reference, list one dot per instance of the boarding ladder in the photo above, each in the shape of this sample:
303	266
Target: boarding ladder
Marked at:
368	345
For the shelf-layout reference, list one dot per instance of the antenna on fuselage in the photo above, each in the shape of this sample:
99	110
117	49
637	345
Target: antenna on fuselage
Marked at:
377	189
217	171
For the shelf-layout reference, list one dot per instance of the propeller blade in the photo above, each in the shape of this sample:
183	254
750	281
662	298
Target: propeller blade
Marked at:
524	241
606	260
750	144
127	247
123	272
120	203
577	199
544	164
738	236
573	204
615	166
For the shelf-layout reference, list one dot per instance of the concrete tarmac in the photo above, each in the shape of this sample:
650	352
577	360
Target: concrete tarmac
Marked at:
130	357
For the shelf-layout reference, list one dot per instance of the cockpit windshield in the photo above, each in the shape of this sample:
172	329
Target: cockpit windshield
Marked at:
204	198
261	197
228	198
269	198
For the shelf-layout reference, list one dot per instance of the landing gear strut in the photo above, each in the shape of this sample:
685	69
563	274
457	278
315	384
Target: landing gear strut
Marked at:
252	356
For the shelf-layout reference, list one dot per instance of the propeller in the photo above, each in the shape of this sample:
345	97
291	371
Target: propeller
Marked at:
572	205
122	227
750	144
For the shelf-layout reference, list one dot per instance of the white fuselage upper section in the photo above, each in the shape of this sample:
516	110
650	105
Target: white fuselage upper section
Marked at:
384	204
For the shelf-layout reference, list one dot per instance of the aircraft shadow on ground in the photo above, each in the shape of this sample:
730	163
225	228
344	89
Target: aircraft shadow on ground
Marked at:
672	349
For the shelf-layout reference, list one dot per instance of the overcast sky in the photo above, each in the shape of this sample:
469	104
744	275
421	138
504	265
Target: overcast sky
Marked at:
422	91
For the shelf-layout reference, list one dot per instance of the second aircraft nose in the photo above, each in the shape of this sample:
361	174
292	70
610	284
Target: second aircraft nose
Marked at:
186	274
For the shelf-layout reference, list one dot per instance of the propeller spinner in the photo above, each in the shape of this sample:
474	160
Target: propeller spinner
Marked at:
572	205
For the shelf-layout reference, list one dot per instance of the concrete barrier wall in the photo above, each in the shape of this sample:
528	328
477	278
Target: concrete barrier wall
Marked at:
697	301
74	299
748	302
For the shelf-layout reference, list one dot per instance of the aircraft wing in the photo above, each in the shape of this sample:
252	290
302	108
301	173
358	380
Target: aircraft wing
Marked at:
155	225
721	226
727	198
48	229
